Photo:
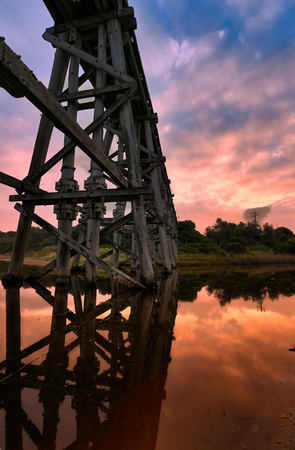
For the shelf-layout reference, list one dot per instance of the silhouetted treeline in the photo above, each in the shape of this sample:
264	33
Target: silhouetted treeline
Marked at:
225	237
221	238
39	239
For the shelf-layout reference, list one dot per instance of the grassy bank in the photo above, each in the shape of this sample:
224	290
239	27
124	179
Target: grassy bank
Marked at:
256	259
198	260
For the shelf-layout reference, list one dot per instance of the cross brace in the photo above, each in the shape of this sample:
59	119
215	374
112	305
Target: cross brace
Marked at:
113	272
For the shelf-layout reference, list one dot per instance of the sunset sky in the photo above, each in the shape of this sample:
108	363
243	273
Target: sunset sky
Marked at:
221	75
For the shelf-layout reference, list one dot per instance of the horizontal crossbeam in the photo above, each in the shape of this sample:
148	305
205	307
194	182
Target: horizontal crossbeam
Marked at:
96	92
109	195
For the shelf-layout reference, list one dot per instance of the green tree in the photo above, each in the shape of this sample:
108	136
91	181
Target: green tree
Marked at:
187	233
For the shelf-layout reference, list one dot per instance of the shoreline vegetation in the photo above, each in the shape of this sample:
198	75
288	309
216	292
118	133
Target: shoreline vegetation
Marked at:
230	261
185	260
224	245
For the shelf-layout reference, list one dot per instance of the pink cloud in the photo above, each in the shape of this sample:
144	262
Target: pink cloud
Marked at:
227	132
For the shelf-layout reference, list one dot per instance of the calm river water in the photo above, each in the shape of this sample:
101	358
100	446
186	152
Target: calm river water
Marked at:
206	362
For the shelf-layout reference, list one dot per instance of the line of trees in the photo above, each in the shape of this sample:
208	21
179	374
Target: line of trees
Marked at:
39	239
221	238
225	237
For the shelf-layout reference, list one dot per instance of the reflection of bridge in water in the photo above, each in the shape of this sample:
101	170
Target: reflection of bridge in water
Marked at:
109	359
97	80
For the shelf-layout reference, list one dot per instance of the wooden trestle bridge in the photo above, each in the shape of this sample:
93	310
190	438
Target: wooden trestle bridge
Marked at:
97	67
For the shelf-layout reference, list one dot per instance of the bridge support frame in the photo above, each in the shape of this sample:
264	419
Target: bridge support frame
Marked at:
103	47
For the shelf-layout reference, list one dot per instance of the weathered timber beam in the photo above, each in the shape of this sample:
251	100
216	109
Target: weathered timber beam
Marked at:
142	161
121	222
39	171
84	106
83	78
120	135
8	84
113	325
43	271
92	60
150	168
116	225
152	117
121	247
86	23
106	254
46	269
36	92
19	185
117	274
146	150
107	221
109	195
96	92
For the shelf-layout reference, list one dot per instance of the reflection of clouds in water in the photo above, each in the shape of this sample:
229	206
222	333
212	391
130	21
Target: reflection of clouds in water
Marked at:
228	365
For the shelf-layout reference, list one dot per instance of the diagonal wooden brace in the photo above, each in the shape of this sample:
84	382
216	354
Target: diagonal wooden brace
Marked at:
92	60
19	185
38	172
114	273
26	83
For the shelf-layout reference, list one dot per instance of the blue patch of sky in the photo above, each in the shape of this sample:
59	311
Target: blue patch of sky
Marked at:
193	19
223	118
279	37
227	117
185	121
196	18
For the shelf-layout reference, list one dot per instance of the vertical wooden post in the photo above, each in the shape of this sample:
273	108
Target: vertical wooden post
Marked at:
157	178
95	210
118	213
127	124
133	263
56	83
66	212
172	222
